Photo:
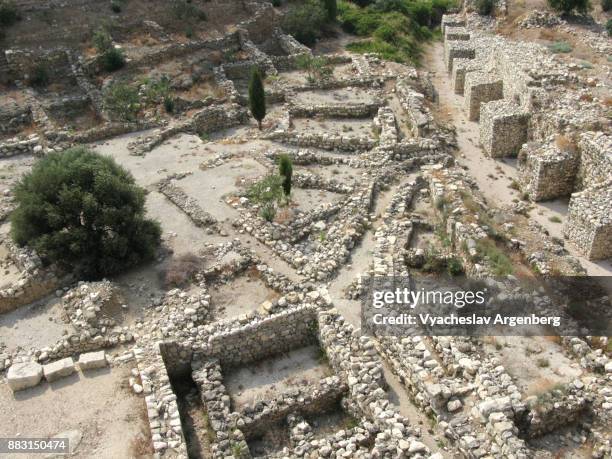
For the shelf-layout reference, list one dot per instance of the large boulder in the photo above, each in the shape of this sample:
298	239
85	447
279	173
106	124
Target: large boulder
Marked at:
24	375
60	369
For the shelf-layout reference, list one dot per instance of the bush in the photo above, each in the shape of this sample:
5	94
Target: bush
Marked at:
484	7
606	5
609	30
169	104
113	60
181	270
305	21
317	68
9	14
122	101
560	47
40	76
83	211
454	266
184	10
331	7
102	40
268	212
570	6
115	7
276	3
267	190
285	169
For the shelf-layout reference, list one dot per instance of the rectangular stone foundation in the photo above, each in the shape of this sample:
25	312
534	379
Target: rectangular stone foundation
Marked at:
546	172
460	68
589	222
595	159
451	20
457	50
481	87
456	33
503	128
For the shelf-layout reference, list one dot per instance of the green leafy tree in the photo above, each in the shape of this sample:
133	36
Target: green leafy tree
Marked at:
83	211
9	14
122	101
257	97
285	169
331	6
569	6
305	21
111	58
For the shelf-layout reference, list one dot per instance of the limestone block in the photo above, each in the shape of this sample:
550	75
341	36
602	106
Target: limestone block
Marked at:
59	369
456	33
24	375
92	360
455	49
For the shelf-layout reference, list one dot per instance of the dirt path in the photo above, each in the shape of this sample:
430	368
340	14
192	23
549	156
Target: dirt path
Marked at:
492	176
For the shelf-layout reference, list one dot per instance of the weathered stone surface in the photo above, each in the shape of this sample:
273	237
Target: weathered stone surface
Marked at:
92	360
24	375
59	369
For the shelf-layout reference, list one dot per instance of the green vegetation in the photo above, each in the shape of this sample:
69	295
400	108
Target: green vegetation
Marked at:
9	14
122	101
500	263
40	76
484	7
184	10
257	97
317	68
560	47
115	7
270	189
276	3
609	30
268	211
331	7
285	169
394	29
606	5
306	21
570	6
554	219
111	58
83	211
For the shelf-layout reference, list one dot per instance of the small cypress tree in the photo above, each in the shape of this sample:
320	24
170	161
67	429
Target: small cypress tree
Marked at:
332	10
285	169
257	97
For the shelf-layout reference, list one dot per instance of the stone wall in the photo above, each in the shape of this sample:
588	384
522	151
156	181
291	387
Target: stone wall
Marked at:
13	118
546	172
503	128
595	165
481	87
17	146
589	221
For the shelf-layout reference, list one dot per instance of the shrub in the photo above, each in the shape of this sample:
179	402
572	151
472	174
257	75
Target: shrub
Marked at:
285	169
257	97
305	21
9	14
484	7
276	3
331	7
184	10
317	68
181	270
155	91
115	7
500	263
454	266
560	47
570	6
40	76
122	101
266	190
113	60
268	211
169	104
606	5
609	30
83	211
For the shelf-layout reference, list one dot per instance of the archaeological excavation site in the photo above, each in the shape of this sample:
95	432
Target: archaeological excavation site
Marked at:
198	199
